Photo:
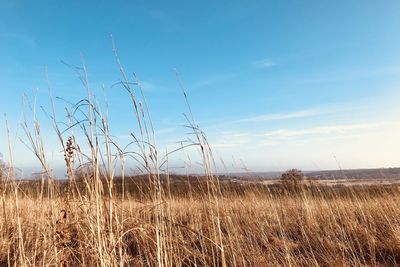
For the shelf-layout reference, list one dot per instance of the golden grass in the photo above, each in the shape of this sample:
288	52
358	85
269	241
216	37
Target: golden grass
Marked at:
94	219
257	230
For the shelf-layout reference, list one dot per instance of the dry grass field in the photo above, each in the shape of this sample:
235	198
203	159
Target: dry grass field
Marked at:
100	216
304	226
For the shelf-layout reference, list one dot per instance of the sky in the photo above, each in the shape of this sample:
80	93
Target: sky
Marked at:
274	84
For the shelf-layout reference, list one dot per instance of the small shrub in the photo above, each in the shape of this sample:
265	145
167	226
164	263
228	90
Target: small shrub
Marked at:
293	177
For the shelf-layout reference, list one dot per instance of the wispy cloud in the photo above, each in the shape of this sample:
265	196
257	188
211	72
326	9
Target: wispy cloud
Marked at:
224	145
270	142
150	86
324	130
166	130
285	116
162	131
277	137
344	74
231	139
213	79
264	63
147	86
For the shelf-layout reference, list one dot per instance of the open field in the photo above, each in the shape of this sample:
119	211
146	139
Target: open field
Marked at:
245	226
98	218
199	133
101	216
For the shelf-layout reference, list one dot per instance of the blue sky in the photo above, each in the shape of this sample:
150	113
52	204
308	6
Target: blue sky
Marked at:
274	84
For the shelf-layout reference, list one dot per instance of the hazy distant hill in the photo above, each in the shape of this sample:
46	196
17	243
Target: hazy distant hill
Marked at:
381	173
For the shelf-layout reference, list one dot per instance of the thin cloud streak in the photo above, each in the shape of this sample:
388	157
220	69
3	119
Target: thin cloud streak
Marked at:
212	80
264	63
323	130
224	145
277	137
284	116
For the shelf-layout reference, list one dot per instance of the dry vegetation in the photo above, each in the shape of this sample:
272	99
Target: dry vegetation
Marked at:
253	226
98	219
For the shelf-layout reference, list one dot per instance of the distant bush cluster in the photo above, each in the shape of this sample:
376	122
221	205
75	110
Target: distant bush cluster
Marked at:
293	177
